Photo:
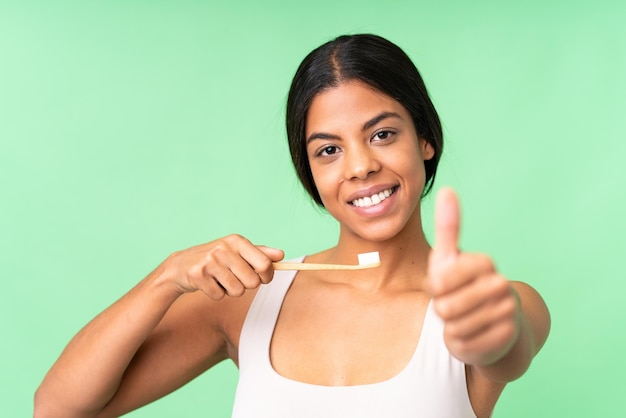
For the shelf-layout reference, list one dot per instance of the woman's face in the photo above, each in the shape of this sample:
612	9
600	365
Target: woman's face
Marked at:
366	159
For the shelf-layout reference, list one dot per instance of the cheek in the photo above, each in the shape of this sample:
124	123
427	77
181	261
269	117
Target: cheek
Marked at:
324	180
412	167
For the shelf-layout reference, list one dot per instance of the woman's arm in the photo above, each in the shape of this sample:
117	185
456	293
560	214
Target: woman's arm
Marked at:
159	335
127	357
493	325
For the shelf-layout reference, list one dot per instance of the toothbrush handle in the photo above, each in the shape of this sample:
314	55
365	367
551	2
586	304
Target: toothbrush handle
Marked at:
314	266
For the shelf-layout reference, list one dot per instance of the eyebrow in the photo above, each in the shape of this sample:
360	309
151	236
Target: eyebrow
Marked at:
376	119
367	125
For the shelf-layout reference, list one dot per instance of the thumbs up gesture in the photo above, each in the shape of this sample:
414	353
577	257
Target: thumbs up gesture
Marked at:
480	308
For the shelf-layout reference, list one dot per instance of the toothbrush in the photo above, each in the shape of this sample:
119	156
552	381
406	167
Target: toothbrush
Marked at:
366	261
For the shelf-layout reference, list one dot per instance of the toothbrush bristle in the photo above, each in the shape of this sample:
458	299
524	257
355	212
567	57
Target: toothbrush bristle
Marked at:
369	258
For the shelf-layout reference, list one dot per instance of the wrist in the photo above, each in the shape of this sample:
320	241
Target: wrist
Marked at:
163	279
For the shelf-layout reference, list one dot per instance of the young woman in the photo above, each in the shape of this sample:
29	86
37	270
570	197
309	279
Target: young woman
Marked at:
432	332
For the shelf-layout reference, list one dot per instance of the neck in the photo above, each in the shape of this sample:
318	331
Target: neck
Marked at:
403	258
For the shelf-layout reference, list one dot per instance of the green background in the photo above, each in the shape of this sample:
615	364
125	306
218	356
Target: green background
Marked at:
131	129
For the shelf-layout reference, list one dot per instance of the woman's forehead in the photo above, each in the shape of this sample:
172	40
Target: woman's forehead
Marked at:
352	103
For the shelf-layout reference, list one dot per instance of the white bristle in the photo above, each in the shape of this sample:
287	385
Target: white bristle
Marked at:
369	258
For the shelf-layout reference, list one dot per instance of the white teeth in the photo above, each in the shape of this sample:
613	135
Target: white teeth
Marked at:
364	202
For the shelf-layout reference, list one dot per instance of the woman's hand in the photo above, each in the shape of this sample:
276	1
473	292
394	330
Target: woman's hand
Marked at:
227	266
480	308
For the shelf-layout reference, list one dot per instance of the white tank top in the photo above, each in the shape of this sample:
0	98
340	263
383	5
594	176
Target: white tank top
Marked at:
431	385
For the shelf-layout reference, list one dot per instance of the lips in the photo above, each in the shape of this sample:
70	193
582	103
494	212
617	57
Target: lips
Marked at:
373	199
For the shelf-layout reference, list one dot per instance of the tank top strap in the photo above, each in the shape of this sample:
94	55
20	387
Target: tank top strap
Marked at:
261	318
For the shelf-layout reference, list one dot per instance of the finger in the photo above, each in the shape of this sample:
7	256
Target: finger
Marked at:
471	295
466	269
482	318
484	347
255	265
212	289
227	280
273	253
447	224
260	258
244	272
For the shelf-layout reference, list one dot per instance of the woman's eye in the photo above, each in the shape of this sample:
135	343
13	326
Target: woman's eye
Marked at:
328	150
382	135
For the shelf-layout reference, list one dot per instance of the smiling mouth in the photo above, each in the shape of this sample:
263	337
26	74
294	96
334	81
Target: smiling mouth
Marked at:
375	199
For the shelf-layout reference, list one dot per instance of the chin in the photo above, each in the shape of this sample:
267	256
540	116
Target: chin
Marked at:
378	233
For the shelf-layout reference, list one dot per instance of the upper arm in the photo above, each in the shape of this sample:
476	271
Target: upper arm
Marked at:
535	314
187	341
534	326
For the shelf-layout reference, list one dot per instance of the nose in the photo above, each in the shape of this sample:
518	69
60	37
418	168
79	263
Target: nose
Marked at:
360	162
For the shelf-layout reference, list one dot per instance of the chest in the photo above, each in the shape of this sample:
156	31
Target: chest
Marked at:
336	337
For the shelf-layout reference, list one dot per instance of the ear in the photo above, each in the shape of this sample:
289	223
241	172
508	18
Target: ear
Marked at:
426	149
